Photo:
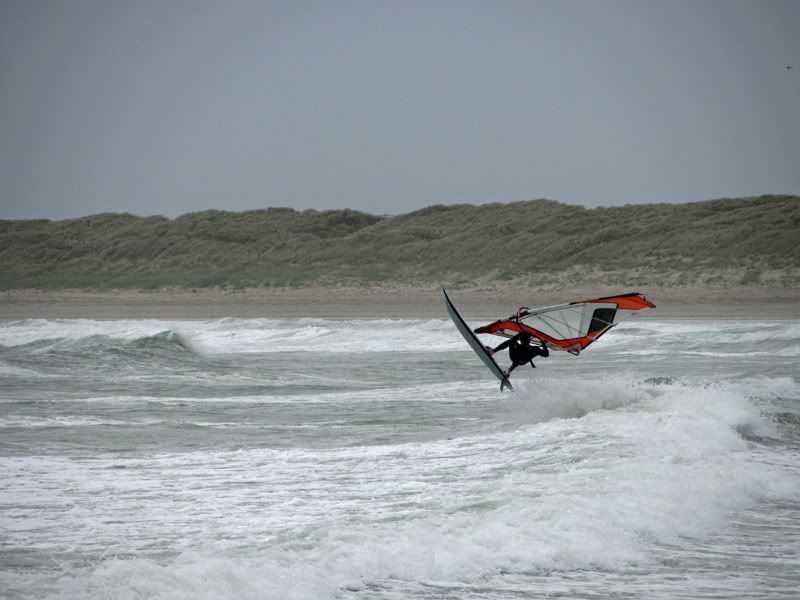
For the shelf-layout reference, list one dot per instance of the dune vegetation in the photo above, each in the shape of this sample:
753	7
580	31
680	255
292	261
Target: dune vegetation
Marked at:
539	243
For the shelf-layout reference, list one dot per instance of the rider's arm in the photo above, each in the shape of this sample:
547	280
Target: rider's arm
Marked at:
505	344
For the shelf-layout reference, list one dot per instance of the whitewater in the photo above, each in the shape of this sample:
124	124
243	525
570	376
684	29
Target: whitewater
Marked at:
315	458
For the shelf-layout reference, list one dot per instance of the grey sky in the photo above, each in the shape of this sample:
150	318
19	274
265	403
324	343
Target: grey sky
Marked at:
166	107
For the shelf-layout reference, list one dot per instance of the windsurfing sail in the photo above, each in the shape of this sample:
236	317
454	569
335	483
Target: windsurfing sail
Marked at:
571	327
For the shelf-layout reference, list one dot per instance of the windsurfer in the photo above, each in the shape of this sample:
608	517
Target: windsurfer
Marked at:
520	351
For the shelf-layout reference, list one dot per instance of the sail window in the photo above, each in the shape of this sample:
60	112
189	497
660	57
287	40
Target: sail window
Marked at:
602	318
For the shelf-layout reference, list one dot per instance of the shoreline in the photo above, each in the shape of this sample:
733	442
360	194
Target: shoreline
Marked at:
489	302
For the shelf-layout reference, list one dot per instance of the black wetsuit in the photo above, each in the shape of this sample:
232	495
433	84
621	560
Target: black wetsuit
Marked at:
520	350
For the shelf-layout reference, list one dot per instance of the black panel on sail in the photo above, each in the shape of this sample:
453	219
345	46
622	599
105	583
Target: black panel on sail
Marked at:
602	318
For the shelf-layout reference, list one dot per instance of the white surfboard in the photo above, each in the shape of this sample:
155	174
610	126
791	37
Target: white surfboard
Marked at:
475	343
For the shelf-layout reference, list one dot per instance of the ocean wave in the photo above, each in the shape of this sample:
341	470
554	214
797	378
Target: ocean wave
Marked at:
254	464
325	336
94	346
659	464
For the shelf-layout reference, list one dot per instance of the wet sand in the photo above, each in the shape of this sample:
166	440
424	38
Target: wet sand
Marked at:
488	302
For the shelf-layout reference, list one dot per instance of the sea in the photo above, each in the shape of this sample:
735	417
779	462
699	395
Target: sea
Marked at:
378	459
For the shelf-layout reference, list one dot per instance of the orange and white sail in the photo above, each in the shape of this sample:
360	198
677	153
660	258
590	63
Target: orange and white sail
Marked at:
571	327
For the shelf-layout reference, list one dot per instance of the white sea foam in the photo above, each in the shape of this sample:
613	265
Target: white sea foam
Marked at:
63	421
590	486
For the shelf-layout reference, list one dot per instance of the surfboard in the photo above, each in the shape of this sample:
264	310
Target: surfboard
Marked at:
475	343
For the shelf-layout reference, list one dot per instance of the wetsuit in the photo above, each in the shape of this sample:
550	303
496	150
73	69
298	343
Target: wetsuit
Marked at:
520	350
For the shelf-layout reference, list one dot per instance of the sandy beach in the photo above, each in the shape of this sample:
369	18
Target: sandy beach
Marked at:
749	302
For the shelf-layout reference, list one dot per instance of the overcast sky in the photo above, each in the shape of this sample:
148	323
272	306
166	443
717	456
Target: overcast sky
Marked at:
168	106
